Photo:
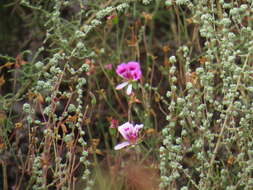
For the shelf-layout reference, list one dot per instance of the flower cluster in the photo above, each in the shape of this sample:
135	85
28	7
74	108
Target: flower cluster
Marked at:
130	72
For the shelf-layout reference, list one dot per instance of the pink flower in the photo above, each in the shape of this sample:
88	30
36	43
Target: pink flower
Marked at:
110	17
108	66
129	133
130	71
114	123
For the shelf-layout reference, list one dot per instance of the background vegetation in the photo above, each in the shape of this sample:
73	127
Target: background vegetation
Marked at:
59	109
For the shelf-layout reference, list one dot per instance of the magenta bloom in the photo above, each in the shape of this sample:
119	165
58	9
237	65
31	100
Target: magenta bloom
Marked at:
129	133
130	71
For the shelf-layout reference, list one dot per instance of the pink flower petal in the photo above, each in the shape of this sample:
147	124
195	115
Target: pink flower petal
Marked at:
124	130
121	145
122	69
122	85
129	89
132	65
136	75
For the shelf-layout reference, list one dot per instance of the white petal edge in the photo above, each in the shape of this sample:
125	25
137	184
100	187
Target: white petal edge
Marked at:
122	85
121	145
129	89
139	126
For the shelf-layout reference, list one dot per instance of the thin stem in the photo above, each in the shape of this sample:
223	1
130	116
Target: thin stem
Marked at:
224	125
